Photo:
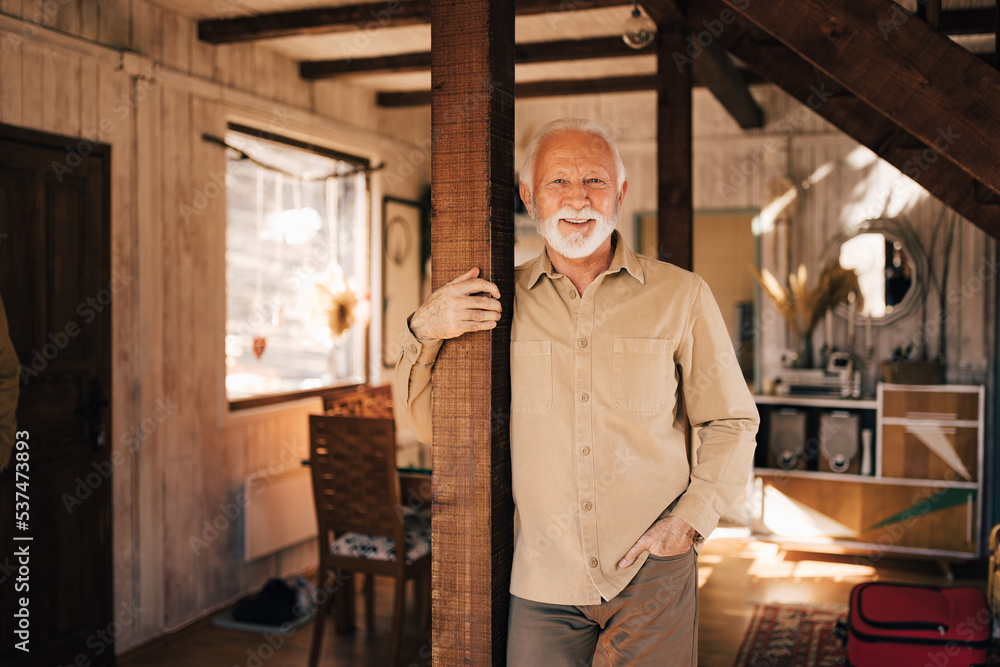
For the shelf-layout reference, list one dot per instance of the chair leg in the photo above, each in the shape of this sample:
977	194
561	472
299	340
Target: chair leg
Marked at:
319	621
398	606
370	603
344	597
422	599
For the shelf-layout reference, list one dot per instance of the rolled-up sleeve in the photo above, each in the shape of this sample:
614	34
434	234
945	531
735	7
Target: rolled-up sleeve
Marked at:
722	413
413	379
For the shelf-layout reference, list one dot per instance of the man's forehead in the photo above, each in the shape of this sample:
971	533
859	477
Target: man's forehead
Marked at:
576	145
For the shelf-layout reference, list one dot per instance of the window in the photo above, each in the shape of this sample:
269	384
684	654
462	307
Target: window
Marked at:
297	255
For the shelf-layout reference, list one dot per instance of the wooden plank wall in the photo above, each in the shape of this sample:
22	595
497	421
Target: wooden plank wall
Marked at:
177	523
732	170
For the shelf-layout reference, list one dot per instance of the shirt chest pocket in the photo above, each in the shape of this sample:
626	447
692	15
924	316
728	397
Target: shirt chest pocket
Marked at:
642	374
530	377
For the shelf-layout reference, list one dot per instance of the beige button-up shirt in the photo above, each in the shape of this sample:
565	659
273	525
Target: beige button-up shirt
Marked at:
597	436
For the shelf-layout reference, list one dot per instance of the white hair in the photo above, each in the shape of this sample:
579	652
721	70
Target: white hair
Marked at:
568	125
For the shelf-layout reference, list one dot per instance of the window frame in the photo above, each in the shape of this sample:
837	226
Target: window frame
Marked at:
270	400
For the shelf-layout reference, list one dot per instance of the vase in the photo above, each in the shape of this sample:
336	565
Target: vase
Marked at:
803	350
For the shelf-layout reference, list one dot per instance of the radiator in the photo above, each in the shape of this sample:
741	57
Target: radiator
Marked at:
280	511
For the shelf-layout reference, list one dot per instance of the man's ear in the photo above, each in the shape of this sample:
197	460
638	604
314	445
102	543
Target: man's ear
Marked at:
621	195
526	197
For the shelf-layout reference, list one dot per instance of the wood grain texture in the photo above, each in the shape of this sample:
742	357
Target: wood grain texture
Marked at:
904	453
146	119
859	506
113	23
472	113
674	150
10	74
126	337
861	120
180	454
902	67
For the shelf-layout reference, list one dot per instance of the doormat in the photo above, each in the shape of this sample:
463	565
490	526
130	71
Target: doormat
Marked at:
793	636
225	620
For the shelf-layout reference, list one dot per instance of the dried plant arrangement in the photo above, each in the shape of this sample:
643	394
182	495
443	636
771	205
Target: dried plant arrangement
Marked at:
803	307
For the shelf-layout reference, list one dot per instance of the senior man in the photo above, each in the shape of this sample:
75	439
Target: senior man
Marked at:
604	344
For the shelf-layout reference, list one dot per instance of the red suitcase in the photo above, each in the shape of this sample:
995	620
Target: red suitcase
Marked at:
893	625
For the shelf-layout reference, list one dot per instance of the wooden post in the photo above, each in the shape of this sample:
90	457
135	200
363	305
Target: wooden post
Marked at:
673	149
472	197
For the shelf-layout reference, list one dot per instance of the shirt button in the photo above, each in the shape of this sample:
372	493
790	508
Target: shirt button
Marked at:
582	342
584	398
585	450
572	294
593	562
587	507
413	349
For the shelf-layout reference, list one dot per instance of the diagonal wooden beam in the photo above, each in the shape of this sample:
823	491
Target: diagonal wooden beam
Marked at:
716	71
904	69
713	68
362	16
859	120
472	204
525	53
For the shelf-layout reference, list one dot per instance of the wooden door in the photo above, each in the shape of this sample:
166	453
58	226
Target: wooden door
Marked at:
58	291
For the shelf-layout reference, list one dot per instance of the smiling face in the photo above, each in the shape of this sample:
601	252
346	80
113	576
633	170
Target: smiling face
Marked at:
574	198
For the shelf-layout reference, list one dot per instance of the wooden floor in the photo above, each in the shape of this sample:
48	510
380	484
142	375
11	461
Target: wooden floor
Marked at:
734	574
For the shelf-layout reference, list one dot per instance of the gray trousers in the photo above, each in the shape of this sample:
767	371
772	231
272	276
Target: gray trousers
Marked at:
653	621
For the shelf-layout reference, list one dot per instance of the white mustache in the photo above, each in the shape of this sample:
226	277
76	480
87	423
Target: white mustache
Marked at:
585	213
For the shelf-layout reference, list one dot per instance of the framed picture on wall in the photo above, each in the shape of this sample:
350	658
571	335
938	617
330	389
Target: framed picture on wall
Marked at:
400	271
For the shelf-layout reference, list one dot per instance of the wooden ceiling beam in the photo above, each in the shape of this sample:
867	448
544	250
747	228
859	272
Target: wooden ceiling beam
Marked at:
618	84
577	49
525	53
664	13
902	68
859	120
315	21
968	21
362	16
398	64
615	84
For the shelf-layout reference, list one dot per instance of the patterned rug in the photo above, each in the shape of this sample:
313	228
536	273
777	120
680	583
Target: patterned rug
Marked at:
792	636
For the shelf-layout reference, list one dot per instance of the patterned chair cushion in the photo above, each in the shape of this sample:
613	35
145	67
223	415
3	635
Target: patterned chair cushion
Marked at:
360	545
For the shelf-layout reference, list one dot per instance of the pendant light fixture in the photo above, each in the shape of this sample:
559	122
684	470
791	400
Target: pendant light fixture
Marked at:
639	30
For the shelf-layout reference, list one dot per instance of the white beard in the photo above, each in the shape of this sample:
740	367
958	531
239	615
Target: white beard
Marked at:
577	245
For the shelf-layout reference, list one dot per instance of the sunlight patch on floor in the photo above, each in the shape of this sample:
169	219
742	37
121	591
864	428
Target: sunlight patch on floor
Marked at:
770	566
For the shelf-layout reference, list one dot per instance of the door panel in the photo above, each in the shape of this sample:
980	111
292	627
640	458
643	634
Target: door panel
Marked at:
54	279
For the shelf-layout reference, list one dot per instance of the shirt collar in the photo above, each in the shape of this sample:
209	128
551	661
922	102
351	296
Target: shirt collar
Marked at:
623	258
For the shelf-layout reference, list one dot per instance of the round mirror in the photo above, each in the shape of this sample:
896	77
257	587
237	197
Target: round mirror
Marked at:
891	264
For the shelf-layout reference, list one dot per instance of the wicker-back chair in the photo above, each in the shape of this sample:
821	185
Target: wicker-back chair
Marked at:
363	401
360	517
